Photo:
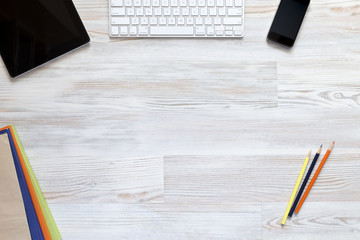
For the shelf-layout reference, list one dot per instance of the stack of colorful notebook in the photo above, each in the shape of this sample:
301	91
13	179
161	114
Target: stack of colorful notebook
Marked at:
24	213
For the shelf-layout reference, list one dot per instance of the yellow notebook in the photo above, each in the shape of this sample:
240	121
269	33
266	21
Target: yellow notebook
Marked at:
54	232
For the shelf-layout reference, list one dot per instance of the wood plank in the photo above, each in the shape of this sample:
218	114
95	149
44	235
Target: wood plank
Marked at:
77	179
184	84
317	84
159	221
262	178
184	131
320	220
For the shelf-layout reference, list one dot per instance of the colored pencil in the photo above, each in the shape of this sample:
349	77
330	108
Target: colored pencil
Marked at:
314	178
306	179
295	188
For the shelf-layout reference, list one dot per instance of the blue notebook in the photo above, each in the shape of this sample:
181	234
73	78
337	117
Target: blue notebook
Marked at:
34	225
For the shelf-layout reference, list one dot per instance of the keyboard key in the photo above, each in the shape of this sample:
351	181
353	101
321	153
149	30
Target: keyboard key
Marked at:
189	21
139	12
176	12
143	30
217	21
157	11
133	31
192	3
171	21
211	3
118	11
182	3
123	30
167	11
181	21
208	21
194	11
200	30
148	12
135	21
238	33
232	21
114	30
212	12
238	3
219	28
153	21
162	21
130	12
137	3
144	21
222	12
229	3
234	11
120	21
219	33
117	3
220	3
203	12
172	31
156	3
173	3
185	12
211	31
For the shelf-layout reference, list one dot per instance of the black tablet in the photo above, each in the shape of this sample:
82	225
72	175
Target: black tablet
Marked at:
33	32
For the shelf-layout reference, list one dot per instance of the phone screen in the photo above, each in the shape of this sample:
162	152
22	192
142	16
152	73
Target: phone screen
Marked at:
287	21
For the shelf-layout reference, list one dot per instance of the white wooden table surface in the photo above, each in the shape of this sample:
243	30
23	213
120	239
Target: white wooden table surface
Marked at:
174	139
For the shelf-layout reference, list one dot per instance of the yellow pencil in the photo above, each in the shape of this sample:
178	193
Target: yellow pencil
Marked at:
295	188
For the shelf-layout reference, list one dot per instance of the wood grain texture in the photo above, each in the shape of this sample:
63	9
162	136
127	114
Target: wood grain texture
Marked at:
191	139
159	221
246	178
319	84
320	220
105	180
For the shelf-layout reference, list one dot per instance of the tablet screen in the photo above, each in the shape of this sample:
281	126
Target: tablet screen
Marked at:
33	32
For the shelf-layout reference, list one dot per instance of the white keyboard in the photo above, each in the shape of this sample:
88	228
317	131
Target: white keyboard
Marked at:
176	18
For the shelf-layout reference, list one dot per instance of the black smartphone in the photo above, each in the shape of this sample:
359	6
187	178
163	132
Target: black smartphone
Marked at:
287	22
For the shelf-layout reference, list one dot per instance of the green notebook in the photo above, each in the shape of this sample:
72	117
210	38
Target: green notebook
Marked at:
54	232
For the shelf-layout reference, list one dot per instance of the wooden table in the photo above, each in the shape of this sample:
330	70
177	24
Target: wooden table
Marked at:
174	139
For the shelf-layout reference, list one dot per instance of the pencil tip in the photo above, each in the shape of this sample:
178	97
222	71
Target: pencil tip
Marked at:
319	151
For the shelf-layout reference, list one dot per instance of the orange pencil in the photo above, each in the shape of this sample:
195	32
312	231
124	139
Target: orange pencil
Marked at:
314	177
